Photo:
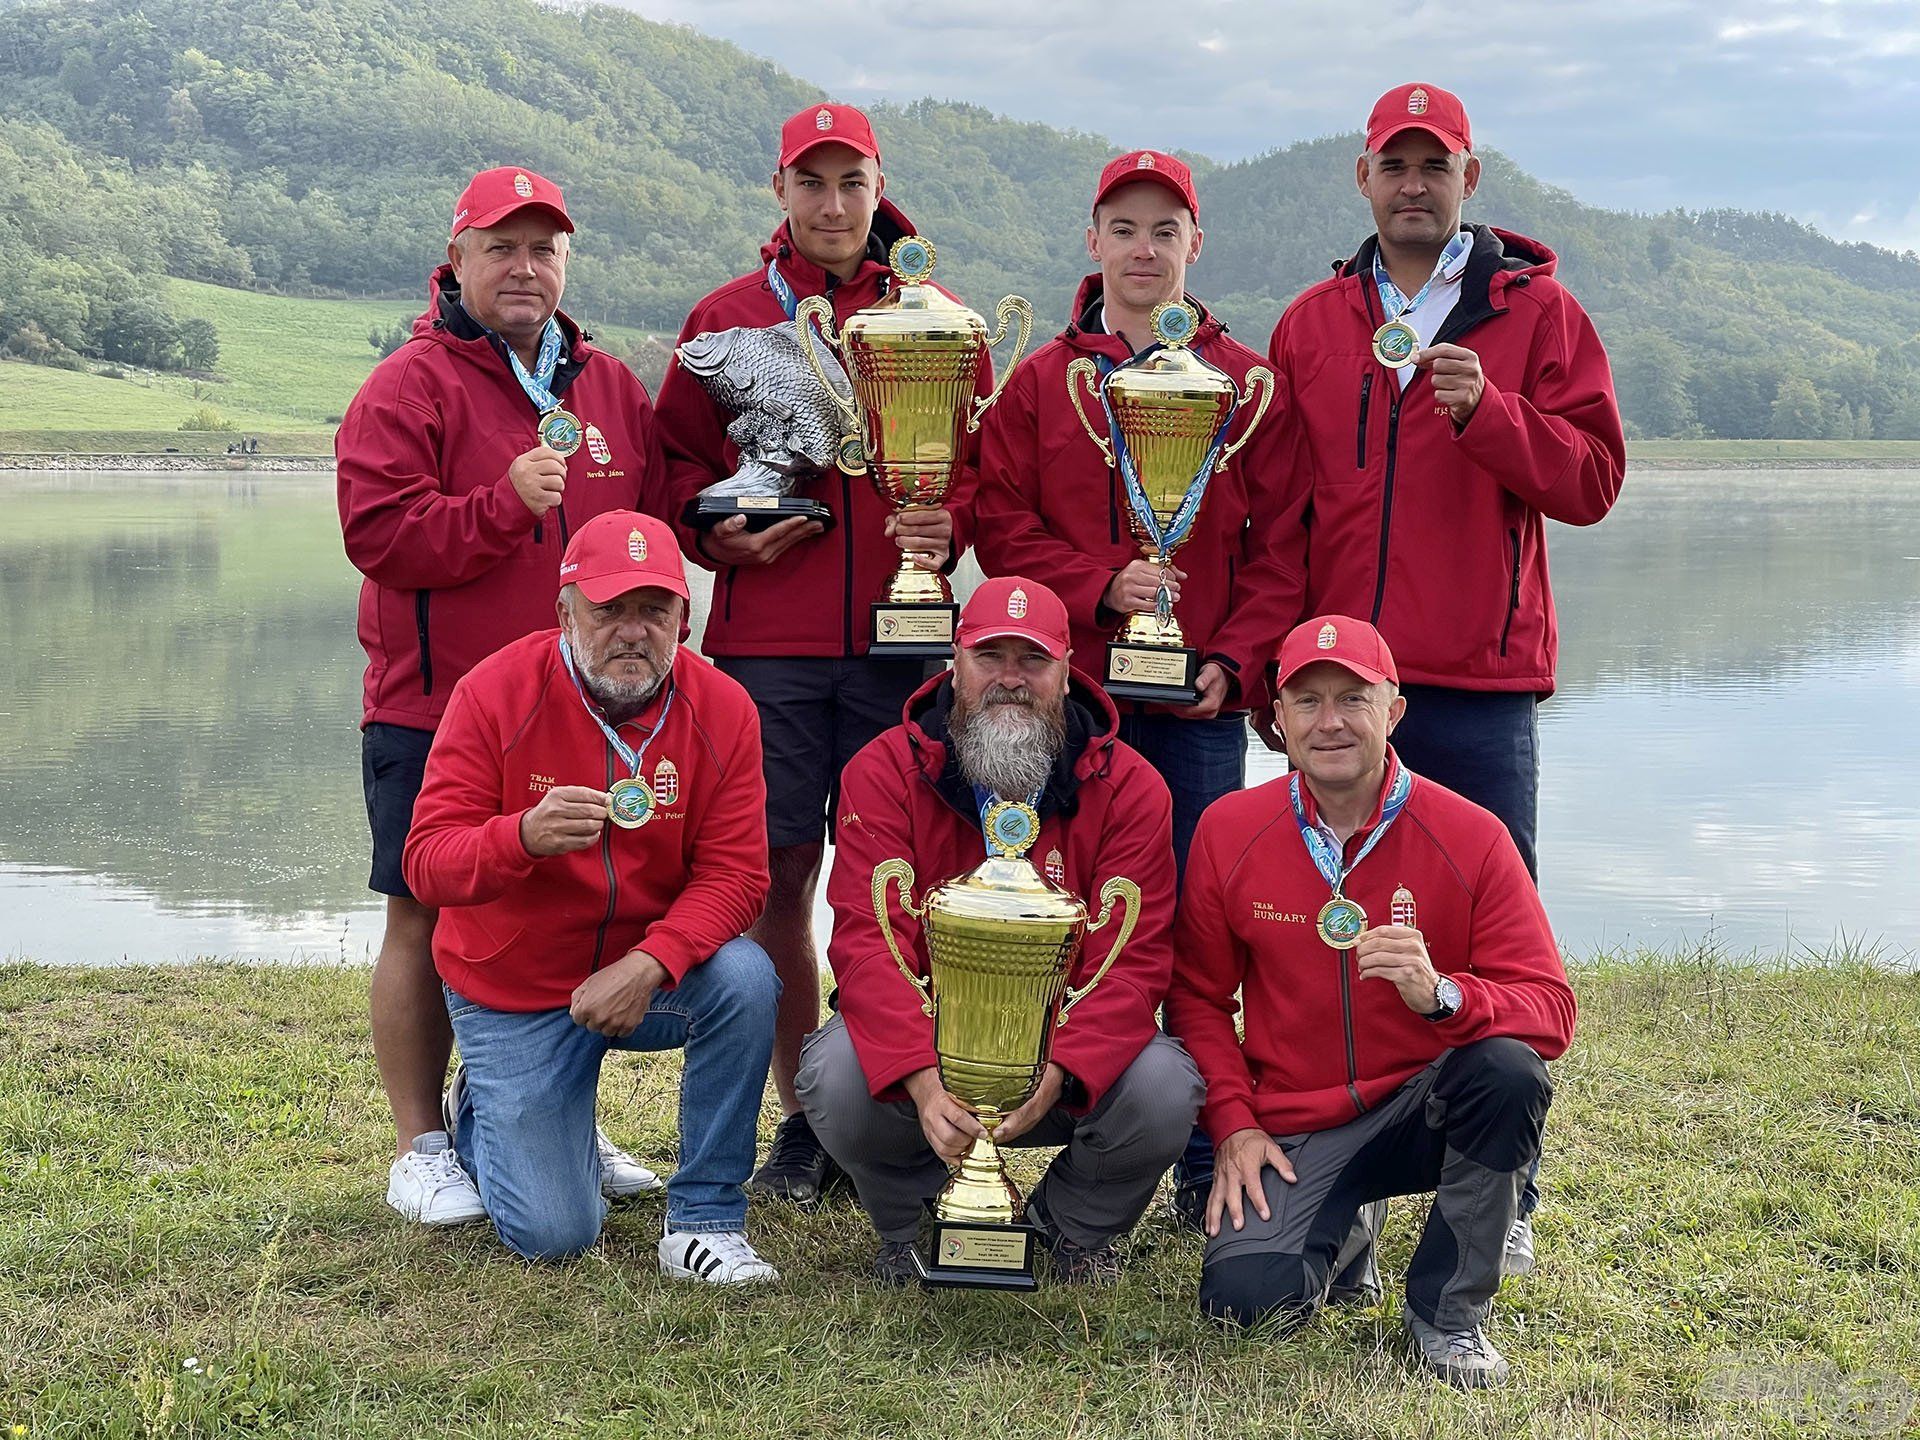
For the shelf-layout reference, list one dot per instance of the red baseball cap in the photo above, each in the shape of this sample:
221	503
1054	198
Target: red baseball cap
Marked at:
1011	605
826	125
1154	165
493	195
622	550
1420	107
1340	638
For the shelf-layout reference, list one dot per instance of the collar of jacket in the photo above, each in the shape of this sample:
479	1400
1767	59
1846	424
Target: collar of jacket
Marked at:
807	278
1499	258
1083	332
1312	806
1093	726
447	320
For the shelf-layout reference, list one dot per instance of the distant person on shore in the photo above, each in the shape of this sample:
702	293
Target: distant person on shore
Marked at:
593	827
1400	991
466	459
1448	398
790	617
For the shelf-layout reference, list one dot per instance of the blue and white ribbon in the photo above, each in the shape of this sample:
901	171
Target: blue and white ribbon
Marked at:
539	381
1326	857
632	758
1452	261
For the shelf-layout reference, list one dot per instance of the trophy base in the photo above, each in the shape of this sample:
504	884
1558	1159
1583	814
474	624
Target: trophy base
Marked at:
762	511
918	631
1158	674
969	1255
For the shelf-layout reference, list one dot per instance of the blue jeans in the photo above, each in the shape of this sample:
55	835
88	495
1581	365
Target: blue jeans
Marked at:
525	1128
1200	760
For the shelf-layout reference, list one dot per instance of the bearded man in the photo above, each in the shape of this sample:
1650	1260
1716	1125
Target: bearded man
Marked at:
592	828
1011	721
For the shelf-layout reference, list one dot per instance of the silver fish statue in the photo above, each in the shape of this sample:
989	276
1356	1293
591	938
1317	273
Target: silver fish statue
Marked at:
786	428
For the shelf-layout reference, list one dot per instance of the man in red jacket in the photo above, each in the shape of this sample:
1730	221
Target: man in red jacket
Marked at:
790	617
463	462
592	826
1400	992
1011	721
1447	398
1049	503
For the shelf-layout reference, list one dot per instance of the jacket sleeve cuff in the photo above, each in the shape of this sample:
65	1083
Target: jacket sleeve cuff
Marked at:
888	1077
1227	1117
671	949
506	854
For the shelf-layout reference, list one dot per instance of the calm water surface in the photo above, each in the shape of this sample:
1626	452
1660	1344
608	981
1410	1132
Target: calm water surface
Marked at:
1727	757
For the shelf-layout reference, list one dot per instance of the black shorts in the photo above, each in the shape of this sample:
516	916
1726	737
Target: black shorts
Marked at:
393	758
814	714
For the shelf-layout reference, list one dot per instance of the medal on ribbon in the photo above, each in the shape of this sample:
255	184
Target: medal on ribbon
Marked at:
1342	921
631	802
559	430
1397	342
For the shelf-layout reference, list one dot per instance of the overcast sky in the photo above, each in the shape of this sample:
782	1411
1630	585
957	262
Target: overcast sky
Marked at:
1805	106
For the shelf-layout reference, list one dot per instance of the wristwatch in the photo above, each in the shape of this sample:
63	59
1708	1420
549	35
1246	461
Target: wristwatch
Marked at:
1448	999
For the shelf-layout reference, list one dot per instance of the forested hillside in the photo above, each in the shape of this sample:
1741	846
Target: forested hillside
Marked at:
313	147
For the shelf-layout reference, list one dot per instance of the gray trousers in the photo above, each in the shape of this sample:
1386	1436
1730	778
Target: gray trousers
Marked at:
1094	1190
1466	1128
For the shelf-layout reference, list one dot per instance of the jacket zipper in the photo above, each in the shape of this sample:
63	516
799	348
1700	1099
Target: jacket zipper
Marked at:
1513	589
846	539
1346	1021
726	608
420	598
1386	505
1360	432
606	860
561	511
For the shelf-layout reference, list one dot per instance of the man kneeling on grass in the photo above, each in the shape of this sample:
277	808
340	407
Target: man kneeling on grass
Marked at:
592	826
1401	992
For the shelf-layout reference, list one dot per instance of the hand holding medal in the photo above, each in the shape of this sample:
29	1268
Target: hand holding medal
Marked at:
539	478
568	818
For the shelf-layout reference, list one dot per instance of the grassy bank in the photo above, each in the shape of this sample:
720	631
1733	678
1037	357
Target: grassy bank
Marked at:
1714	454
193	1242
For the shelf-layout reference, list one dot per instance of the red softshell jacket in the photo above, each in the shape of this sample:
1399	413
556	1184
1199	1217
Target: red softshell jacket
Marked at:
1049	505
813	600
455	564
1323	1045
1437	534
1106	812
518	932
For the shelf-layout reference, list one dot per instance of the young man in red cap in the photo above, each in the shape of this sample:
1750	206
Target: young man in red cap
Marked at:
1012	722
464	461
1050	504
591	827
1449	398
790	603
1400	991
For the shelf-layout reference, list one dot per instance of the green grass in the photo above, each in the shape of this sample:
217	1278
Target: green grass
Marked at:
1866	452
154	442
193	1243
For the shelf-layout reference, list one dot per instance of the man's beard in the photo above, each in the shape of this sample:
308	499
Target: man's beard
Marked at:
1009	742
624	699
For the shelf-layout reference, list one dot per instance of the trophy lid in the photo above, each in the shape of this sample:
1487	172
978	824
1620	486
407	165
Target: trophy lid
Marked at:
912	307
1006	888
1173	369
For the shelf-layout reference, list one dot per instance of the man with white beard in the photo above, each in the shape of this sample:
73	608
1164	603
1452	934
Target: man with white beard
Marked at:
1011	724
592	827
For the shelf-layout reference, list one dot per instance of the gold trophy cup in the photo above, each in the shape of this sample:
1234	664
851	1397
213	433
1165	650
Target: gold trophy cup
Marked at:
1001	942
913	358
1168	412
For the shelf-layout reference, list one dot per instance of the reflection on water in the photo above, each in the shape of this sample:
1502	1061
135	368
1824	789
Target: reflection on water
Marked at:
179	688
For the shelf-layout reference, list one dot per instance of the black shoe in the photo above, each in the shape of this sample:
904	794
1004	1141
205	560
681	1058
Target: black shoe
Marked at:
893	1265
1190	1205
1077	1265
798	1168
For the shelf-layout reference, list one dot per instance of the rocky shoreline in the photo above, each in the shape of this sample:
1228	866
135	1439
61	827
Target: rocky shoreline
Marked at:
258	464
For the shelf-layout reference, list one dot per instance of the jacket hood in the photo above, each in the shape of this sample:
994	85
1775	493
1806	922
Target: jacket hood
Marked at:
1093	728
446	320
889	224
1083	332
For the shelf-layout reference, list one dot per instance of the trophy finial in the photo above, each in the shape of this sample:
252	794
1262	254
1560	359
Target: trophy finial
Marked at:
1011	827
1174	323
911	259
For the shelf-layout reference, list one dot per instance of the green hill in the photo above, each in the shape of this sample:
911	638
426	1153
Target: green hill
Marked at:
312	148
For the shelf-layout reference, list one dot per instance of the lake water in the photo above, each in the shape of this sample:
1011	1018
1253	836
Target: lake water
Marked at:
1728	758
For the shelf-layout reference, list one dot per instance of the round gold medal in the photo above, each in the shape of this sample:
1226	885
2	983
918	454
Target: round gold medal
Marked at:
1394	344
561	431
630	803
1341	923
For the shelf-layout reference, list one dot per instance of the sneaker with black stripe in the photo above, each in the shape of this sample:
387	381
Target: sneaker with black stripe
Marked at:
717	1257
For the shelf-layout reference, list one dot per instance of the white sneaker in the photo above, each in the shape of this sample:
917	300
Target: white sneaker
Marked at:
620	1174
720	1257
1518	1259
430	1188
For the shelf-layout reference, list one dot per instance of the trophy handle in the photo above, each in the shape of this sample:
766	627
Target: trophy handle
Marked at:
903	872
1117	887
1258	378
819	308
1011	310
1084	372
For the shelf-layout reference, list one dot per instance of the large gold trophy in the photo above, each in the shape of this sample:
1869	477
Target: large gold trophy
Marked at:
1001	941
1168	412
913	358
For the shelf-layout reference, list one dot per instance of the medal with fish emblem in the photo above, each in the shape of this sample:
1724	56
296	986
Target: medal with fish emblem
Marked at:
1341	923
630	803
561	431
1394	344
